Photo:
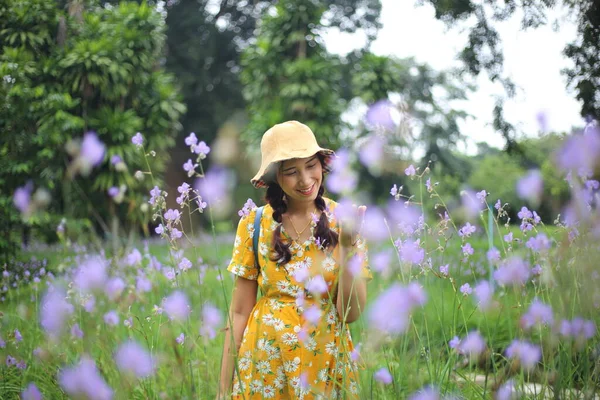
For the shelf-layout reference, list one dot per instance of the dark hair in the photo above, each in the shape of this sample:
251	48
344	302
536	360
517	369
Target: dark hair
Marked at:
323	233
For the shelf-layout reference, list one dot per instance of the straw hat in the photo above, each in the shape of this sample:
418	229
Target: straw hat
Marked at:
285	141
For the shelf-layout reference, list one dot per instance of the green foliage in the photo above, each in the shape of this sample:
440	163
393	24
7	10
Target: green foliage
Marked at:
67	72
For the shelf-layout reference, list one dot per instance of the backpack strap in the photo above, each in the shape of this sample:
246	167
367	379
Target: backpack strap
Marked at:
257	219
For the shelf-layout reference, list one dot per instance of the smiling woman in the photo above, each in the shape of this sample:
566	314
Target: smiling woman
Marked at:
294	342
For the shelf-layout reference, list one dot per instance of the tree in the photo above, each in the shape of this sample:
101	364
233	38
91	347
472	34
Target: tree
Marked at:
77	69
483	49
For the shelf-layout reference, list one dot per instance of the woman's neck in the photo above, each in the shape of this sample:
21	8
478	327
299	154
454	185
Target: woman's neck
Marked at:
301	208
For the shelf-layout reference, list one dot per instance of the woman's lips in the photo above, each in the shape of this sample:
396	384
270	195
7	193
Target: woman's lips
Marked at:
311	190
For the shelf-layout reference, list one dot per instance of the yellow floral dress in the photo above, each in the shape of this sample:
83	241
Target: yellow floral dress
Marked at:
282	354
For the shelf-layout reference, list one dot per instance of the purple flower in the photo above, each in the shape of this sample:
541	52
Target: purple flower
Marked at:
498	205
472	344
54	311
508	237
410	170
114	287
111	318
383	376
470	204
185	264
508	391
380	114
154	195
85	381
113	191
454	342
467	230
466	289
92	149
428	185
90	304
374	219
444	269
138	139
201	149
467	249
539	243
380	262
22	198
18	336
411	252
2	343
493	255
536	270
371	153
180	339
483	293
31	393
211	319
513	271
189	167
531	186
394	320
580	152
215	185
428	393
143	284
115	159
159	229
537	314
76	332
134	258
317	285
528	354
10	361
176	234
394	190
481	196
177	306
525	213
312	314
91	274
248	207
131	358
191	140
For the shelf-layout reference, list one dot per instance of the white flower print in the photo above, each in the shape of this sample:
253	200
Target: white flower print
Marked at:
263	367
289	338
331	348
279	325
263	249
268	392
244	363
256	385
329	264
291	366
268	319
310	343
322	375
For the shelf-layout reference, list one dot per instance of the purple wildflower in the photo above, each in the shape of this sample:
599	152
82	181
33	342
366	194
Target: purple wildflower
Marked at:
185	264
134	258
114	287
111	318
380	114
507	391
201	149
539	243
138	139
394	190
10	361
191	140
91	274
531	186
411	252
22	198
248	207
371	153
537	314
211	319
84	380
92	149
493	255
317	285
31	393
383	376
481	196
428	393
180	339
472	344
395	320
508	238
444	269
312	314
525	213
410	170
113	191
528	354
176	234
143	284
466	289
54	311
18	336
177	306
467	249
498	205
133	359
115	159
454	342
215	185
467	230
76	332
483	293
513	271
154	195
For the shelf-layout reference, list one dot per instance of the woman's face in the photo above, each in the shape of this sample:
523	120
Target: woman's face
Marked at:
301	178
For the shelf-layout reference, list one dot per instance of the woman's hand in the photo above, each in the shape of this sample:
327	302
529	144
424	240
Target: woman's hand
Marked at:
352	226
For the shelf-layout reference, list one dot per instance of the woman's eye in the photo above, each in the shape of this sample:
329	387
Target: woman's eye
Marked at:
291	173
311	166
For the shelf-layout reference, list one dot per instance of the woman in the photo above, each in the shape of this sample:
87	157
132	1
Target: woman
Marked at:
293	343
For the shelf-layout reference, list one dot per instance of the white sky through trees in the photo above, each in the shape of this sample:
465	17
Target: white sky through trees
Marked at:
533	59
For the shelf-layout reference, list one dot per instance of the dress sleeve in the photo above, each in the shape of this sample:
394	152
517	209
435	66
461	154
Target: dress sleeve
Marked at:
242	260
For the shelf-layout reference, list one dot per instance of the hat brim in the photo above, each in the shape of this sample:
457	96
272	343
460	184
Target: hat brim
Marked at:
261	180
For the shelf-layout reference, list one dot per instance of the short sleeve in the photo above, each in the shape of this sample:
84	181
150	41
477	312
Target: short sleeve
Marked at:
242	260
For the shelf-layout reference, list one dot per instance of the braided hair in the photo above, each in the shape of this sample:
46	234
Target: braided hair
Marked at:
325	236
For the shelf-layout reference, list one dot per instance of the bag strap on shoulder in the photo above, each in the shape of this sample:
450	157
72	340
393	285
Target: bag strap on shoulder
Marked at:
257	219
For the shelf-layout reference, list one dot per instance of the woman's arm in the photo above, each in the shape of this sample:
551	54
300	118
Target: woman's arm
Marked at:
242	303
352	291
